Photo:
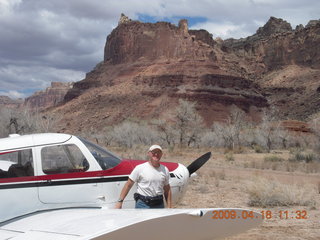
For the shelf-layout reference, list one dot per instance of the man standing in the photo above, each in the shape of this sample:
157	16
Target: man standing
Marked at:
152	180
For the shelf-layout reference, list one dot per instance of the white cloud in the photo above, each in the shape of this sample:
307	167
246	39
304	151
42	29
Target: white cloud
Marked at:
223	30
6	6
13	94
44	41
35	77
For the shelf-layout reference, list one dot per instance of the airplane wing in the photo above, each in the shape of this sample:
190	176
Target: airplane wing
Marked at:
122	224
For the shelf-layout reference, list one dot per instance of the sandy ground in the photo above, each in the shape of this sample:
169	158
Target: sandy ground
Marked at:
223	183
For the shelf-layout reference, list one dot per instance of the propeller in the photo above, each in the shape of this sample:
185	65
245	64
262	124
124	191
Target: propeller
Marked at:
196	164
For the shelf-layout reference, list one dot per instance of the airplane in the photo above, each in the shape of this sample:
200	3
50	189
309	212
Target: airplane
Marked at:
60	186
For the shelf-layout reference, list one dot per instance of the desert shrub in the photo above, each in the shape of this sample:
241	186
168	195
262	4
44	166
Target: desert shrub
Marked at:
273	158
258	149
311	157
294	150
240	149
26	121
188	124
229	156
128	134
210	139
300	156
266	193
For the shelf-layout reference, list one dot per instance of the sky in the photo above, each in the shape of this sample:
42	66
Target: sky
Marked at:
42	41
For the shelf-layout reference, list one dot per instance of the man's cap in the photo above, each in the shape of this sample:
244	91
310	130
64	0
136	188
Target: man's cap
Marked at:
153	147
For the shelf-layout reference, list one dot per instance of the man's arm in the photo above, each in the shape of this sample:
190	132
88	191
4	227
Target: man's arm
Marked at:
167	195
126	188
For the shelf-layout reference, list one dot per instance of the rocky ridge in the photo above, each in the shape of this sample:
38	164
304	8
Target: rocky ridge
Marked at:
6	101
284	62
49	97
148	67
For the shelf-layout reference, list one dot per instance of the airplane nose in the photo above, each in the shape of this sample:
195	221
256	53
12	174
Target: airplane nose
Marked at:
178	182
180	176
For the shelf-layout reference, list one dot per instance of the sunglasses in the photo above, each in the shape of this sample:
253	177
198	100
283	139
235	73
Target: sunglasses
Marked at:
156	152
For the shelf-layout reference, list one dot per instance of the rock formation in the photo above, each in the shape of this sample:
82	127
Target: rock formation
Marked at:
50	97
7	102
148	67
285	63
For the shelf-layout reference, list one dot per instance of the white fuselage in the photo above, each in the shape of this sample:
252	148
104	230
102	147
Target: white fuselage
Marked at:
53	185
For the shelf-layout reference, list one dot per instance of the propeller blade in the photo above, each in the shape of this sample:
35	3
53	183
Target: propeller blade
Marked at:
196	164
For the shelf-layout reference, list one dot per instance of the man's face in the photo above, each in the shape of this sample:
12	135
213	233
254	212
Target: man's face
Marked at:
155	154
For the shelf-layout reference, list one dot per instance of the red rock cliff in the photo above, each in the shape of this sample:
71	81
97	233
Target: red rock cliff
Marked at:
50	97
148	67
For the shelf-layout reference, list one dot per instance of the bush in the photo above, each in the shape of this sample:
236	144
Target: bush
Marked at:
258	149
129	134
273	158
308	157
299	157
229	157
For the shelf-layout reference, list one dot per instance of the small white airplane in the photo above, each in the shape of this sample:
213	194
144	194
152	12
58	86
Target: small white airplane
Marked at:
59	186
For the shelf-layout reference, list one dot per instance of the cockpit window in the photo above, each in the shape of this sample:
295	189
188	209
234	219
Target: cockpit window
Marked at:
63	159
16	164
105	158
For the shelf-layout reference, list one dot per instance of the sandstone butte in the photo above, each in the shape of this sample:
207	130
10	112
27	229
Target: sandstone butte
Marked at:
148	67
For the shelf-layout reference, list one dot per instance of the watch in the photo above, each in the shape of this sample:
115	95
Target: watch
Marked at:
120	200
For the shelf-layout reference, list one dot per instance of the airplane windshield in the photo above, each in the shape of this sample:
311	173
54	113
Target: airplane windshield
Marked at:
105	158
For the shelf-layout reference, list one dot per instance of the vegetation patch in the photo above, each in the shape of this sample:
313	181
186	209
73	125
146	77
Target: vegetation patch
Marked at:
267	193
273	158
300	156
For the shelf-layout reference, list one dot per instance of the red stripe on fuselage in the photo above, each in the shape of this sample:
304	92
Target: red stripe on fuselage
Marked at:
170	165
122	169
2	153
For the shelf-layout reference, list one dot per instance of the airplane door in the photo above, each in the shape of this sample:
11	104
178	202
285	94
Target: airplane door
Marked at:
18	193
65	176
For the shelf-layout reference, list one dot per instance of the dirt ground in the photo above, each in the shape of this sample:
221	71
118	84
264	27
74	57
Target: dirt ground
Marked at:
223	183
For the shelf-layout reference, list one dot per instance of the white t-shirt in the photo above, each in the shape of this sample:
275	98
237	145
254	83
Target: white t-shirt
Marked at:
150	180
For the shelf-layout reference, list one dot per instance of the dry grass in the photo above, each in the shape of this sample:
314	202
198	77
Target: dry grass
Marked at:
224	183
266	193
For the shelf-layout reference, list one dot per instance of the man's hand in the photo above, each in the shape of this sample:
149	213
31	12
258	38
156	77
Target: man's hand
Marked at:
126	188
118	205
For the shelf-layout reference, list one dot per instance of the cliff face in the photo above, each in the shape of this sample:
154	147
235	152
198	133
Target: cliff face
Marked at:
285	63
10	103
50	97
148	67
276	45
135	41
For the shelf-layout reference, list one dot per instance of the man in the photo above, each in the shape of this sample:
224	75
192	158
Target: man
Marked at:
152	180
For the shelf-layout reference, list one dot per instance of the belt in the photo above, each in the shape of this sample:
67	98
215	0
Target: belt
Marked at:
149	200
